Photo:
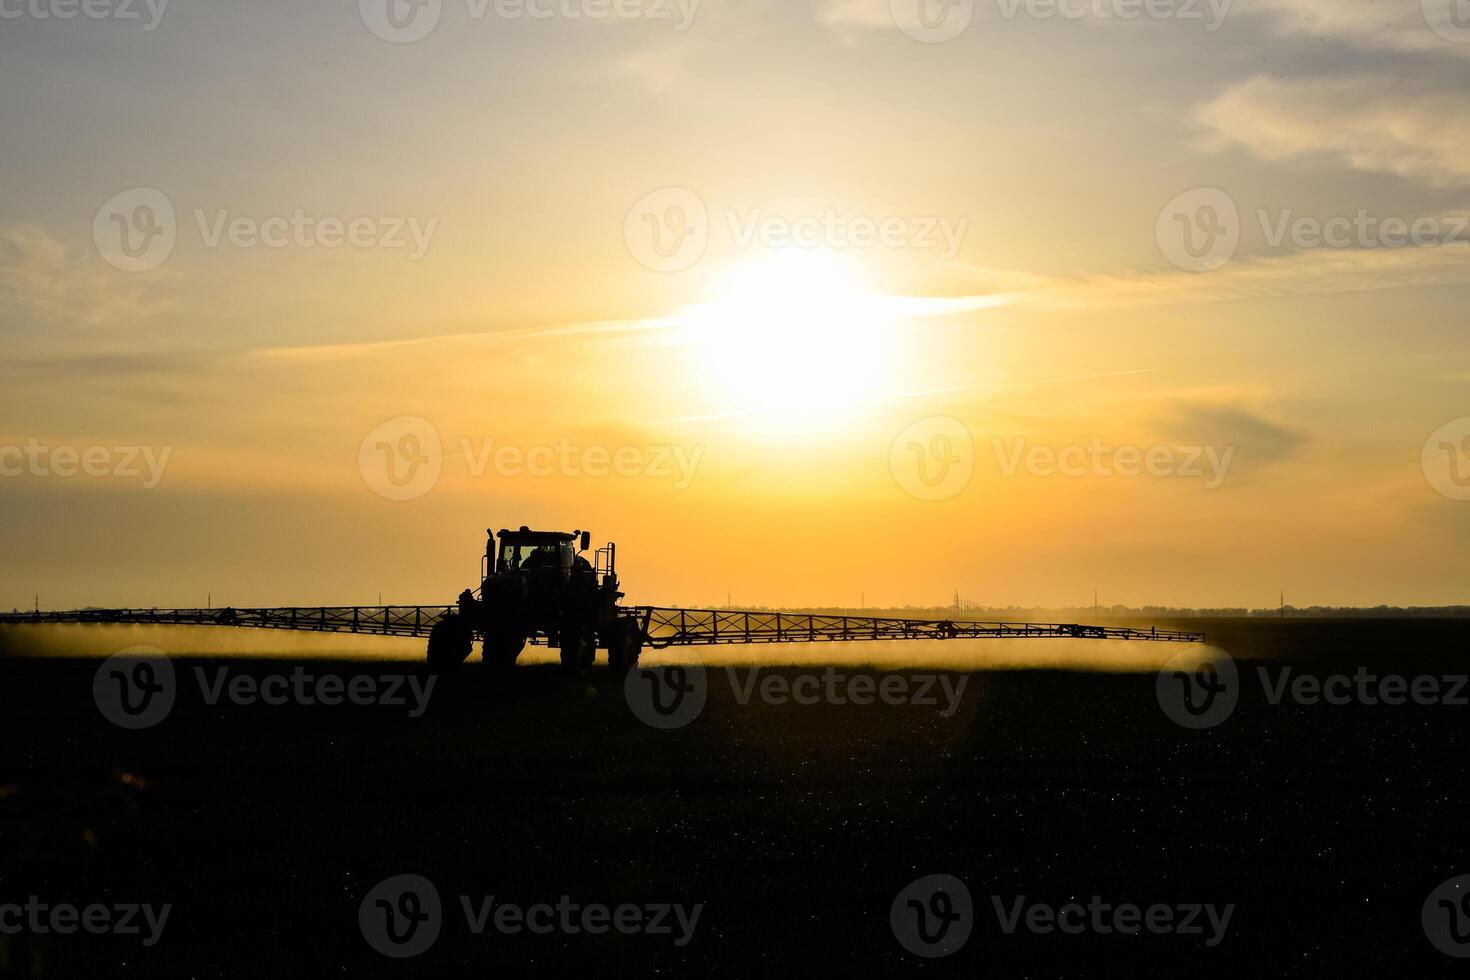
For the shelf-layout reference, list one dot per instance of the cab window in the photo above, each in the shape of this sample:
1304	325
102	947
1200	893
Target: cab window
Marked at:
519	556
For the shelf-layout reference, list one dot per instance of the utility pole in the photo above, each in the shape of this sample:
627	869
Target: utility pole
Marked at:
1094	603
1283	603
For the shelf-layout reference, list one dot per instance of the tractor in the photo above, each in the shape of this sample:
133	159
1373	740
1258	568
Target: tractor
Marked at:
537	585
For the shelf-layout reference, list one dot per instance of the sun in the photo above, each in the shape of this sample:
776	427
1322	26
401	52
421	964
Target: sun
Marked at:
791	341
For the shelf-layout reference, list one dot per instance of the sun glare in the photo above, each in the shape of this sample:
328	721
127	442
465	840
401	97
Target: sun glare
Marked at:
791	341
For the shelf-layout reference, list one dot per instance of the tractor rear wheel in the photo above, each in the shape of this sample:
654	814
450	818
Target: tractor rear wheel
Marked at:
450	641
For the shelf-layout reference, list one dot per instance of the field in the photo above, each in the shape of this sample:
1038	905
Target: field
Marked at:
792	826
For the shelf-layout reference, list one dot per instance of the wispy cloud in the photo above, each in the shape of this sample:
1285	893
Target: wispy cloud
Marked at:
850	15
658	65
1399	25
1367	123
1308	272
668	58
902	396
489	338
43	283
664	331
1231	421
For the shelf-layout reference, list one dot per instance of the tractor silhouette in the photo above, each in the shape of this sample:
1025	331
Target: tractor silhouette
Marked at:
537	585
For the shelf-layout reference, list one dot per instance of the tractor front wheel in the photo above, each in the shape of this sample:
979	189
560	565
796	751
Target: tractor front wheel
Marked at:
450	641
624	644
578	646
502	648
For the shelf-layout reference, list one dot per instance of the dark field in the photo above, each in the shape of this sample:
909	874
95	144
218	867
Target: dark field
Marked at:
795	826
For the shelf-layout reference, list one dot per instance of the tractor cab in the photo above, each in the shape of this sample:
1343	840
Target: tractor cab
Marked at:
532	552
544	561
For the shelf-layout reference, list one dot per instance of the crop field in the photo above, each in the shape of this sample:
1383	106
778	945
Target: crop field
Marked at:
775	828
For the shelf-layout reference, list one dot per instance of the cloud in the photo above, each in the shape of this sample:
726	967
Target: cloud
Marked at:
41	282
1309	272
490	338
91	367
673	56
660	65
1230	421
848	15
1368	123
663	331
1396	25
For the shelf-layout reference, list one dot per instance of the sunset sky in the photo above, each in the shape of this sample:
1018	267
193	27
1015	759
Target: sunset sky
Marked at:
784	411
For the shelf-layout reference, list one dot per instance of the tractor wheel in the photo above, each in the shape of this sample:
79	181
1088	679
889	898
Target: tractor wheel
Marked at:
623	647
578	646
450	641
501	649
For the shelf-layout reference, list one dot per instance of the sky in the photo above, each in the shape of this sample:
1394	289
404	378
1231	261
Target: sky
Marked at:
803	302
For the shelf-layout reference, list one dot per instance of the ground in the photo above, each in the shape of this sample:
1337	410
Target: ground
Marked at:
794	826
